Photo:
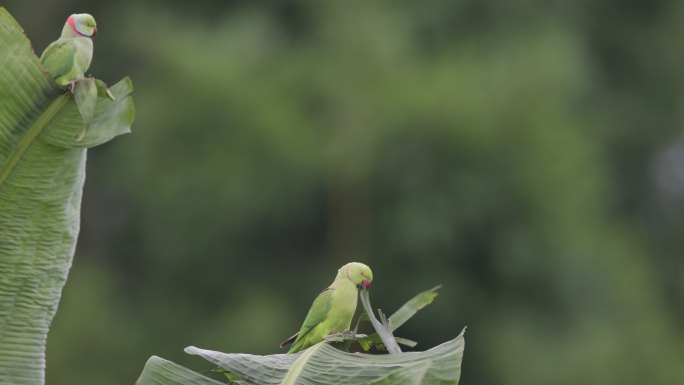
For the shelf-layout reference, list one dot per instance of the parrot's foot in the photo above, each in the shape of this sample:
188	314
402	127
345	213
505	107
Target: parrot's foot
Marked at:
342	336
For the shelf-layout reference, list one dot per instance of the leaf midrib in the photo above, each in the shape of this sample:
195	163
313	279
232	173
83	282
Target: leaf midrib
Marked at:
298	366
31	134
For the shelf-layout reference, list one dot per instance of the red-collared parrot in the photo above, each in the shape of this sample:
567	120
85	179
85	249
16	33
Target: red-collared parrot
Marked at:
333	309
68	58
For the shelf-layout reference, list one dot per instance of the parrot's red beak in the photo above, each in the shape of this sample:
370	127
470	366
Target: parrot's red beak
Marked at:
366	283
94	31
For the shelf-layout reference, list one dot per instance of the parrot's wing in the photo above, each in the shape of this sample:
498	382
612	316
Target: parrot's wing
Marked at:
318	313
58	57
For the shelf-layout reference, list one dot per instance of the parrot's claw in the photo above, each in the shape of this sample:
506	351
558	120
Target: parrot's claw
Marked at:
71	86
341	336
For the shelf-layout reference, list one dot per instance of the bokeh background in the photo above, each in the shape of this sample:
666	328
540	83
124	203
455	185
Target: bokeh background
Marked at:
528	155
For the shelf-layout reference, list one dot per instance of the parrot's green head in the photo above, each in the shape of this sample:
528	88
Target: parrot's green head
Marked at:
360	274
82	24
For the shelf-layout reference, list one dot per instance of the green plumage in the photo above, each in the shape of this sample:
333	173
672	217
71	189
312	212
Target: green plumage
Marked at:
68	58
333	309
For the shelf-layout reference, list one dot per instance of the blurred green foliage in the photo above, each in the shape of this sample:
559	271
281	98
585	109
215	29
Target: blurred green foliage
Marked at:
527	155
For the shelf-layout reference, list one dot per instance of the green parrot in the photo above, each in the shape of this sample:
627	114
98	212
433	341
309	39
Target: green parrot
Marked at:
68	58
333	309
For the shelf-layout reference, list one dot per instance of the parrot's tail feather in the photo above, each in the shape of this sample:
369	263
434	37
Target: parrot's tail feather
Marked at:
289	341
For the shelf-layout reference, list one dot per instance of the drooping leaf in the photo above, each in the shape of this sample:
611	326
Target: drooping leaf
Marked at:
43	142
85	94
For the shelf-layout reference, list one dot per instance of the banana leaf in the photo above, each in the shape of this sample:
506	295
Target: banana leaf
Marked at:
43	144
320	364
